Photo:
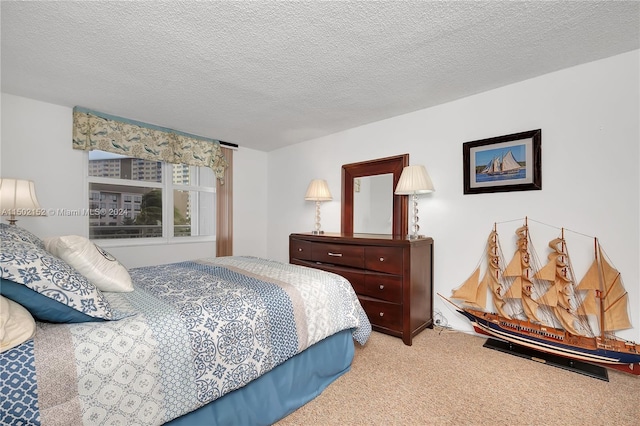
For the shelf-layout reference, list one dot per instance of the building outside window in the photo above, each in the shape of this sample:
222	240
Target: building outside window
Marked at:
149	199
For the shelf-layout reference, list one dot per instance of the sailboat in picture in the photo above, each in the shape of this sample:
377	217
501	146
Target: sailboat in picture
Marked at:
546	308
502	165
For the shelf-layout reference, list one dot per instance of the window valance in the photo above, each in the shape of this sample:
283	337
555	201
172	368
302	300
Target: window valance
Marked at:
95	130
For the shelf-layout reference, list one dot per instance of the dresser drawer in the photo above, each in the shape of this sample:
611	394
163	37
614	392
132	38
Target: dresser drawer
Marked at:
338	254
383	314
385	287
384	259
299	249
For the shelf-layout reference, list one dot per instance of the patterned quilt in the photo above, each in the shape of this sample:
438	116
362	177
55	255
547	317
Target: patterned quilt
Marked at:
198	330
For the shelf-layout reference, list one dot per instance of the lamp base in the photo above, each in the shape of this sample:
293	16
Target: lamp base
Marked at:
414	237
317	232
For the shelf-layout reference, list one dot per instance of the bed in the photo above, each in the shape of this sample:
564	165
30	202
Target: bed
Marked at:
229	340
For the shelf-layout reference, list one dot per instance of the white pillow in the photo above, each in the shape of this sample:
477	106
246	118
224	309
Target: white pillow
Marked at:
99	267
16	324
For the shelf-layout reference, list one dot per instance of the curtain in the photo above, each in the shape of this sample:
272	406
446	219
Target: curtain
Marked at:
224	210
94	130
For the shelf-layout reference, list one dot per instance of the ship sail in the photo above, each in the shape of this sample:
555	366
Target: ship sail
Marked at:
506	164
606	296
557	297
520	269
509	163
492	167
468	290
474	291
615	300
590	283
494	273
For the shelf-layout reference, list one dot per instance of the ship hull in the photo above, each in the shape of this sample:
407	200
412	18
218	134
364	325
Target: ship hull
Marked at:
505	172
502	329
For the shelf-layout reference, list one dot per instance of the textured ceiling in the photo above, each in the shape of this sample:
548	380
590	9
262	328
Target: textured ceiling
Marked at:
269	74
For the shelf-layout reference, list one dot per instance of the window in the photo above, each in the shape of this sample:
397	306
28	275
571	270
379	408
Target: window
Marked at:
149	199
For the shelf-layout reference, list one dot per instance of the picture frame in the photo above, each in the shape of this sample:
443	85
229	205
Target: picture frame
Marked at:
504	163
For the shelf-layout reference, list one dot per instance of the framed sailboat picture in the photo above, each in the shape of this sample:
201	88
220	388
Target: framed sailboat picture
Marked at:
504	163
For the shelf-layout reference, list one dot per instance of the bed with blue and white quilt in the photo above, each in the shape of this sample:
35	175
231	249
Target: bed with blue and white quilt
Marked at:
229	340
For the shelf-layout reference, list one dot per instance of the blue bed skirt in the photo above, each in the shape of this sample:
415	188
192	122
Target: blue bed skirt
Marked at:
282	390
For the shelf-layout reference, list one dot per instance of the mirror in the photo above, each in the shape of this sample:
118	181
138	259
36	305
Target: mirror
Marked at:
373	204
368	202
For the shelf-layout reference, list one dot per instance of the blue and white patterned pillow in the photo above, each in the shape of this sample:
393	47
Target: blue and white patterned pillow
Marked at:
26	263
15	233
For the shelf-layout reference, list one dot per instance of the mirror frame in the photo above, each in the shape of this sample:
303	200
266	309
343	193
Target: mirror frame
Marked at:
380	166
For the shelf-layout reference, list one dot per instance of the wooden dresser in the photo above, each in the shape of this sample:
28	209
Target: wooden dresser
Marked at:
392	276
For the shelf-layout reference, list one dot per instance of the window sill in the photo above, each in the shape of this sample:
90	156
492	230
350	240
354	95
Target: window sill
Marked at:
133	242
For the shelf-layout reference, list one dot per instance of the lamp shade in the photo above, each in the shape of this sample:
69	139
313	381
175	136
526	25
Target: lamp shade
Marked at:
318	190
18	198
414	180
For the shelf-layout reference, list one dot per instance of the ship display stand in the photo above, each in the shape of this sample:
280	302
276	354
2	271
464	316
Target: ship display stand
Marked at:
569	364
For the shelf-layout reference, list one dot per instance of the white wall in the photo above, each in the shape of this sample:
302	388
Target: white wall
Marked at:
589	116
250	199
36	145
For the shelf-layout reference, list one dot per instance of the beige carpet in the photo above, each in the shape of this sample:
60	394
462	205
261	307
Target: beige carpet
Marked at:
449	378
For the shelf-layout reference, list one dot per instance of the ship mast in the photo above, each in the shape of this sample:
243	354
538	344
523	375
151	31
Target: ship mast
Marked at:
602	287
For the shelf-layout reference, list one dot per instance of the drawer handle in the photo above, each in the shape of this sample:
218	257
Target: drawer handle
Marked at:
335	254
381	286
382	259
381	314
299	249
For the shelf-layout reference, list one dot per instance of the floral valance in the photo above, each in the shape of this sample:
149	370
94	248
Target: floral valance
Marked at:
94	130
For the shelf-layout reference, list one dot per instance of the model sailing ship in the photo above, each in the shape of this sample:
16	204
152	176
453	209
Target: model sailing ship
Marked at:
546	309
